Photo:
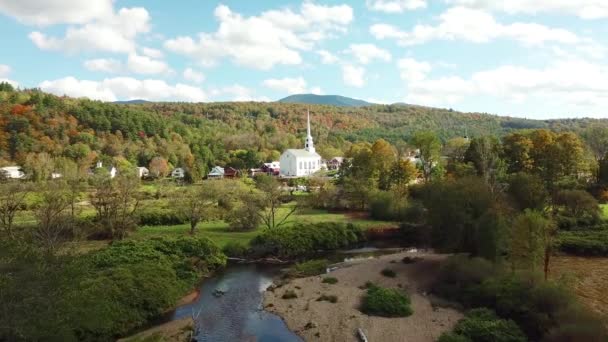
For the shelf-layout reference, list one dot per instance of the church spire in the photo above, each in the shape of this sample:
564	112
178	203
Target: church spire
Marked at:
309	144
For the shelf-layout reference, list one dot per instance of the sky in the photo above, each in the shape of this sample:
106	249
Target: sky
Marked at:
526	58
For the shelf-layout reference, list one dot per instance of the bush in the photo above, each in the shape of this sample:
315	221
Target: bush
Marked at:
482	325
330	280
308	268
388	206
159	217
416	234
385	303
328	298
388	273
236	250
289	294
584	243
302	240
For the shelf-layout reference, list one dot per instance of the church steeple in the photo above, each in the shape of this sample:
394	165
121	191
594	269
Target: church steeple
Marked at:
309	144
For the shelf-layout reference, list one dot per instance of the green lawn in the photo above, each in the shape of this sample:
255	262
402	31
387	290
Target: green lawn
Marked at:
605	210
219	232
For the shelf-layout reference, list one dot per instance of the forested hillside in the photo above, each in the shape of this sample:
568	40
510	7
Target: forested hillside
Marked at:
38	128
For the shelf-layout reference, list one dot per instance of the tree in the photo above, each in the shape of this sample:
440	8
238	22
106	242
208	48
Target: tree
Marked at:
403	172
484	154
54	221
596	137
516	149
430	147
383	157
532	242
527	191
272	197
159	167
115	203
12	199
578	204
200	203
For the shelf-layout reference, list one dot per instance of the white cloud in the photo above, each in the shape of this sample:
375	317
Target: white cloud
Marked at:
193	75
586	9
236	92
4	70
146	65
316	91
108	65
50	12
353	76
327	57
115	32
477	26
367	53
572	84
112	89
412	70
260	42
287	85
152	53
395	6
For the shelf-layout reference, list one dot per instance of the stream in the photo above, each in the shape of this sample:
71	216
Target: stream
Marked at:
236	314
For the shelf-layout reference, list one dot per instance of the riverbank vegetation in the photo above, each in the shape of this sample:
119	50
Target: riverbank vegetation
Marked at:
379	301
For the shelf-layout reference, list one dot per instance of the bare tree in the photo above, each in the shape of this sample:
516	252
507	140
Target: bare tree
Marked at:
273	216
12	199
116	204
53	216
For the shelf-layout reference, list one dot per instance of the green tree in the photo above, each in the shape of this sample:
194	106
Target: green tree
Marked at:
272	197
527	191
116	203
532	240
484	154
596	138
430	148
12	199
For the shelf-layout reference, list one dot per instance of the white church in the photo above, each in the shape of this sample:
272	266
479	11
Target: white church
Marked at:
301	162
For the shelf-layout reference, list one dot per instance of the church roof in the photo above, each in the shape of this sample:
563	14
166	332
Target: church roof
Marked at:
301	153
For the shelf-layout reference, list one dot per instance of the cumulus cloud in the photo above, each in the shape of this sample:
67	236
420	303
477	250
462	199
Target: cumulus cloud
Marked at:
473	25
573	84
353	76
395	6
146	65
5	70
50	12
585	9
297	85
413	70
327	57
193	75
367	53
260	42
152	53
113	89
236	92
108	65
115	32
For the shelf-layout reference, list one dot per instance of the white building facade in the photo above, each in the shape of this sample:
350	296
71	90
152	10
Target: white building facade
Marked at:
301	162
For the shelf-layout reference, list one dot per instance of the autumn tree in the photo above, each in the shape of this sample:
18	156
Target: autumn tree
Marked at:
12	199
430	147
532	241
402	173
199	203
159	167
54	221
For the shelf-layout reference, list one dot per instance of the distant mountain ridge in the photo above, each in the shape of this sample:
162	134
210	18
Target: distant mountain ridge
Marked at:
137	101
331	100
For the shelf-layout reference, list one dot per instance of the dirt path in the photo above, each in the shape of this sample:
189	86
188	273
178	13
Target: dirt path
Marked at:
324	321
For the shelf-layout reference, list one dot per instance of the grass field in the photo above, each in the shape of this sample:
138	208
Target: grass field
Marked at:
605	210
220	233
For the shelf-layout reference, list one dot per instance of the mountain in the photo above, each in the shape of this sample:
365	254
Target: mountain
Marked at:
332	100
138	101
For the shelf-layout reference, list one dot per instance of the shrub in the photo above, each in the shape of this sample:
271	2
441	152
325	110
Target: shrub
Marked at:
308	268
482	325
328	298
388	206
160	217
585	243
385	303
388	273
235	249
330	280
302	240
289	294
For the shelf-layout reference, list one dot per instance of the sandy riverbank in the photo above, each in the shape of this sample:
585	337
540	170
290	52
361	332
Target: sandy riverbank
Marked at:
324	321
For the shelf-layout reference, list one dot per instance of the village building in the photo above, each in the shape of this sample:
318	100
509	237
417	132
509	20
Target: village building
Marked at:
301	162
143	172
335	163
272	168
230	172
178	173
12	172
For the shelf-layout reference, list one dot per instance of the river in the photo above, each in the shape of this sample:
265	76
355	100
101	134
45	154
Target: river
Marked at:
237	315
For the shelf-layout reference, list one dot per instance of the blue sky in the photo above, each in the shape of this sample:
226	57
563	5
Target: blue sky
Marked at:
525	58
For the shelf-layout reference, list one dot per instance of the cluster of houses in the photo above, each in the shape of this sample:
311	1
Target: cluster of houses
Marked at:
293	163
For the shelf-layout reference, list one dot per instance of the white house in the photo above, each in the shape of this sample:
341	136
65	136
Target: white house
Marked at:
143	172
178	173
13	172
216	172
301	162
